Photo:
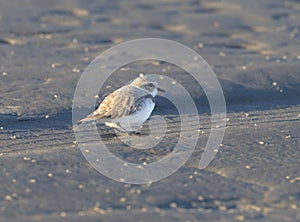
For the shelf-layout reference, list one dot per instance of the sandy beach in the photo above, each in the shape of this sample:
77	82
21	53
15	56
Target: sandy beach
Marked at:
253	48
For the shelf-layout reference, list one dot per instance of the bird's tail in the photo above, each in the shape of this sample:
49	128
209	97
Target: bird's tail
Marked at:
90	117
86	119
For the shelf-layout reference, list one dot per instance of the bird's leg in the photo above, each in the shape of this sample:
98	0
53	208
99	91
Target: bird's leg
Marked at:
121	129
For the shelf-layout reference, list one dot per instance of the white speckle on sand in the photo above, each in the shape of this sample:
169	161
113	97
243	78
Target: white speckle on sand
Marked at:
45	36
47	116
239	218
139	167
127	185
123	199
4	73
81	186
149	184
75	70
13	137
295	179
144	209
261	142
97	209
222	54
200	198
63	214
80	12
125	69
156	63
32	180
293	206
200	45
8	198
248	167
54	65
173	205
274	84
68	171
201	131
27	190
222	208
50	175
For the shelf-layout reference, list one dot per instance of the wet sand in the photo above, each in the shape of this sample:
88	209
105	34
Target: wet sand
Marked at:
253	47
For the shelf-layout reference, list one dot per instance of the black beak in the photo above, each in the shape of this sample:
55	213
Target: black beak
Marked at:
161	90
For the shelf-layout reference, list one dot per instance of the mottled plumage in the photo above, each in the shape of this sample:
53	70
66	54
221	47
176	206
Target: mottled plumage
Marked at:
127	108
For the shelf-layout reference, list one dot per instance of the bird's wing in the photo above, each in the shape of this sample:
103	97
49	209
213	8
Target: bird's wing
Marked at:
122	102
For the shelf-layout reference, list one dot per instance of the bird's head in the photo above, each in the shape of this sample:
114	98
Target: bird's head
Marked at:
146	83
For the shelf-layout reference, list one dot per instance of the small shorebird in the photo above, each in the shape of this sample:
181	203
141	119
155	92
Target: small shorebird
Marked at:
127	108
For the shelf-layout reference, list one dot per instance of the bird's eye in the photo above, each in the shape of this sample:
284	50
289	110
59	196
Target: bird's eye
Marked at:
150	85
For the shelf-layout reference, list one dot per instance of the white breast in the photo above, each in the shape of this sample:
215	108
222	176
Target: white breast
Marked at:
135	120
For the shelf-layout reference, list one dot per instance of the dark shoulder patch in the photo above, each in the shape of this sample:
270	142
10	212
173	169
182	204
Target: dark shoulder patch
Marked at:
140	103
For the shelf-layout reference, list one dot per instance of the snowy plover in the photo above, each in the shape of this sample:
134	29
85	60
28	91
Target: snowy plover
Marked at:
127	108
